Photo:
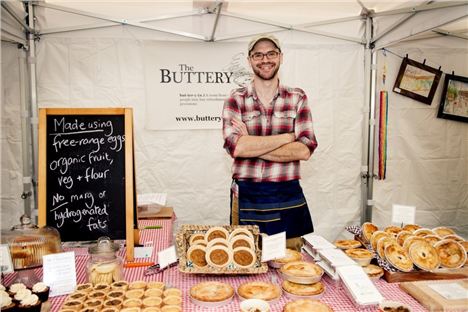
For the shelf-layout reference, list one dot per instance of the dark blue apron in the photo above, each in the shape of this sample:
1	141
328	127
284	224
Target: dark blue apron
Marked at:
275	207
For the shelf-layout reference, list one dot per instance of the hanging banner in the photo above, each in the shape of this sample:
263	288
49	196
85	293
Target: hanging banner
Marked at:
187	82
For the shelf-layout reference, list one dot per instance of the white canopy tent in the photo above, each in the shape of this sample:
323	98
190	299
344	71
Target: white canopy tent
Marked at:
90	54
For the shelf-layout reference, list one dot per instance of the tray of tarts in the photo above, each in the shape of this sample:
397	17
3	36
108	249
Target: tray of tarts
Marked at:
417	253
227	249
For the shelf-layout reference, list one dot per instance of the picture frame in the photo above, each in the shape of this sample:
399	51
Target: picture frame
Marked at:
417	81
454	99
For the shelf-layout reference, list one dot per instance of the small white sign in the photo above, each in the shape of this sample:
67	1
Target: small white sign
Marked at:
6	265
403	214
60	273
143	252
167	257
361	288
451	291
273	246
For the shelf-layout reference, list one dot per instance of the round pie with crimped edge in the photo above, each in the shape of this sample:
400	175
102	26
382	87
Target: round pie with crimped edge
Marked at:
432	239
411	240
367	230
360	255
303	289
347	243
211	291
376	236
424	256
411	227
291	255
259	290
397	257
451	253
392	229
402	236
443	231
382	243
301	269
309	305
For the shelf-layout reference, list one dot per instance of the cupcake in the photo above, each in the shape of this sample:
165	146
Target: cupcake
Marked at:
2	287
21	294
41	290
7	303
13	289
30	303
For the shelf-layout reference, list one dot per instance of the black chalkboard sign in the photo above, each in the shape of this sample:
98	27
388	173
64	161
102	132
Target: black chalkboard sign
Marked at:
86	173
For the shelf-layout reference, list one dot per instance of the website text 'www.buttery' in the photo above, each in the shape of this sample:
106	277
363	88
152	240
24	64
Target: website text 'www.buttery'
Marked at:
197	118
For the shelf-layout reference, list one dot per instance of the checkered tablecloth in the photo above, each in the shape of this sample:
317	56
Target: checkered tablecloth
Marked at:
335	294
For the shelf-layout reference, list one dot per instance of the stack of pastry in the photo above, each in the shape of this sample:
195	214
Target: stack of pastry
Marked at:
124	296
218	248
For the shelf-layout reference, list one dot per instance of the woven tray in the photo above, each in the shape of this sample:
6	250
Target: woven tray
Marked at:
182	245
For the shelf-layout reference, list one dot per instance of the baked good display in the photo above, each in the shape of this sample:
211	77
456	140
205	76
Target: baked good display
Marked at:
244	257
451	253
373	271
347	243
402	236
211	292
397	257
216	232
443	231
296	289
301	272
382	243
291	255
392	229
376	236
423	232
362	256
218	256
302	305
259	290
411	227
367	230
197	255
424	256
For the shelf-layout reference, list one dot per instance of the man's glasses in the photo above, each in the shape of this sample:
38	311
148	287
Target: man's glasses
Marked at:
270	55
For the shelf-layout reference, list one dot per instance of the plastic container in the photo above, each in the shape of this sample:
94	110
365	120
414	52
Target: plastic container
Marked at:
104	265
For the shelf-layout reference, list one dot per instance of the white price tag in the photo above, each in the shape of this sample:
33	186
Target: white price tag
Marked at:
273	246
403	214
143	252
6	265
167	256
60	273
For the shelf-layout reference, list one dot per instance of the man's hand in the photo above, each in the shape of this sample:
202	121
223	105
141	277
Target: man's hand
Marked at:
240	126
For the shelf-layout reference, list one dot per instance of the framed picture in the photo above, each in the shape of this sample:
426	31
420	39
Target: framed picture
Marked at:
417	81
454	100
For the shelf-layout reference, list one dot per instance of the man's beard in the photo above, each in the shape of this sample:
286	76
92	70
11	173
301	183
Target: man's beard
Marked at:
267	77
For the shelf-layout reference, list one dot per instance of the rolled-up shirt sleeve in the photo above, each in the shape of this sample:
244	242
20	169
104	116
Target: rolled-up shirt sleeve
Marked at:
230	134
304	129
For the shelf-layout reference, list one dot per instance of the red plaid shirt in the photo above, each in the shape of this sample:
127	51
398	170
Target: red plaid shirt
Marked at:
288	112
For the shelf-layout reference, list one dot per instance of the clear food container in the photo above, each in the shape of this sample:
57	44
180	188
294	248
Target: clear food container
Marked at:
104	265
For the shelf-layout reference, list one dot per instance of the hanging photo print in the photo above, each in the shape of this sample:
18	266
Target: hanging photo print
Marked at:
417	81
454	99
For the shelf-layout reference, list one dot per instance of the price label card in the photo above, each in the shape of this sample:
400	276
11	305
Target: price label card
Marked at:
143	252
60	273
6	264
403	214
273	246
167	257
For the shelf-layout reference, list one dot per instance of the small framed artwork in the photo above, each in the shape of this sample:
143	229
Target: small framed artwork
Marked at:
417	81
454	99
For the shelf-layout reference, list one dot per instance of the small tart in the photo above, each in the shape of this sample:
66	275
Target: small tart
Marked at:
89	309
394	230
244	257
77	295
132	303
172	300
172	292
347	243
376	236
131	309
402	236
171	308
291	255
367	230
93	303
216	242
301	269
423	232
219	256
411	227
152	302
360	255
115	294
382	243
151	309
87	287
137	285
73	304
411	240
424	256
120	285
303	289
197	255
216	232
451	253
242	241
154	284
196	237
397	257
373	271
113	303
432	239
454	237
241	231
211	291
134	293
110	310
102	287
153	292
96	294
259	290
302	305
443	231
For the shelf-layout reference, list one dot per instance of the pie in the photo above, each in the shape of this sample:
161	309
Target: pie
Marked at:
259	290
411	240
240	230
152	302
115	302
132	303
360	255
301	269
196	237
154	284
432	239
172	292
218	256
197	254
373	271
392	229
216	232
134	294
376	236
242	240
217	241
84	287
291	255
153	292
79	296
120	285
411	227
137	285
172	300
102	287
402	236
170	308
97	294
303	289
73	304
211	291
423	232
347	243
244	257
451	253
93	303
424	256
397	257
115	294
443	231
367	230
382	243
303	305
454	237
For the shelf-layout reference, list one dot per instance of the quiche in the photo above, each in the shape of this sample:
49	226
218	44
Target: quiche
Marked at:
424	256
303	289
211	291
397	257
452	255
303	305
367	230
347	243
259	290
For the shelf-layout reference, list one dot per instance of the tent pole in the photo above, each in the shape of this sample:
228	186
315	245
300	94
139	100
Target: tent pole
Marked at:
367	172
33	104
